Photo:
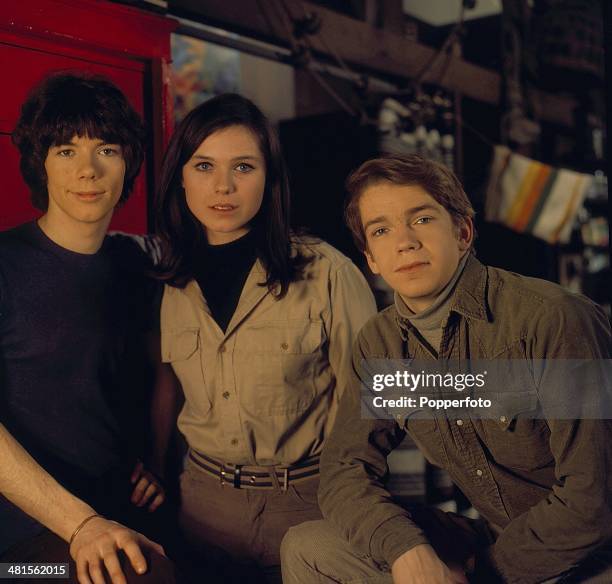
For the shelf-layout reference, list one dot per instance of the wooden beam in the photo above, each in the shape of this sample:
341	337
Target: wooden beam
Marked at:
114	28
370	12
364	47
554	108
392	16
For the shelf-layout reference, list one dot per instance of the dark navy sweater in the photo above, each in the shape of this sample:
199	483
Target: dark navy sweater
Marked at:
72	358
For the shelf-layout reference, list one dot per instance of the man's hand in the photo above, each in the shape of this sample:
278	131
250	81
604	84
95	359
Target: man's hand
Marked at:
148	488
95	548
421	565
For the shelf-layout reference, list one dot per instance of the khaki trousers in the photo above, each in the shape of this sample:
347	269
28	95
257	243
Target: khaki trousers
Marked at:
240	530
315	553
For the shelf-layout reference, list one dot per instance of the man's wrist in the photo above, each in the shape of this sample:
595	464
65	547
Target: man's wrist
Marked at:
156	466
74	518
80	526
484	570
394	537
410	553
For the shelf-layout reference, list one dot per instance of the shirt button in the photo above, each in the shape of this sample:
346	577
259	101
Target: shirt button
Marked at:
284	346
479	473
226	394
503	419
234	441
459	422
222	349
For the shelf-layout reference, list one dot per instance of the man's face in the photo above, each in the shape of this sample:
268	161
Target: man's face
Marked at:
412	241
84	180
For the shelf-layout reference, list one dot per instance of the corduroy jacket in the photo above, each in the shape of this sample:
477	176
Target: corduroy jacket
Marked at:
544	485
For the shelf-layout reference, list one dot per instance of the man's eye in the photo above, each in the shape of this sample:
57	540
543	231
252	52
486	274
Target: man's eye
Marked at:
424	220
378	232
108	151
244	167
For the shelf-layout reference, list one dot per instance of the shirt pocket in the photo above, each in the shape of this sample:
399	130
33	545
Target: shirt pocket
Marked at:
285	365
182	348
517	438
426	433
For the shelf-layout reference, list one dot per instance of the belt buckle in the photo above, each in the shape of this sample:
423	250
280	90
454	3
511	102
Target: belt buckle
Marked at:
237	475
285	485
222	473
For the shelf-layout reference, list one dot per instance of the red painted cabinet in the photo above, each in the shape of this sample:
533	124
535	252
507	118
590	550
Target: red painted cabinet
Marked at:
130	46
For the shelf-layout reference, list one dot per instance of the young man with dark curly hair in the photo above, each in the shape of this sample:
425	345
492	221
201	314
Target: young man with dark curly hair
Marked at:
72	319
540	476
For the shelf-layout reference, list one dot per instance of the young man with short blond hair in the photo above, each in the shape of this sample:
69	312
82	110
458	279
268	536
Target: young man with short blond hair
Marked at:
541	485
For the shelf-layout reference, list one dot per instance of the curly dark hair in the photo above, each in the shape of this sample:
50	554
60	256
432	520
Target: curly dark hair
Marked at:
69	104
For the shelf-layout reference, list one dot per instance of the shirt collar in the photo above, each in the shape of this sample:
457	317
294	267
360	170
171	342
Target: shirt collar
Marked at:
469	298
471	295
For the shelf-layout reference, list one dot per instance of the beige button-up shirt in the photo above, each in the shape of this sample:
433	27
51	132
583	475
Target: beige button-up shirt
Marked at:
266	391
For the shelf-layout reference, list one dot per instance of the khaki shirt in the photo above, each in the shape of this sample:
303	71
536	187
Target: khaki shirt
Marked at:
266	391
544	485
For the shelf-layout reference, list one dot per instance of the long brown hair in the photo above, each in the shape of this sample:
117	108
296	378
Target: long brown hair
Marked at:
181	233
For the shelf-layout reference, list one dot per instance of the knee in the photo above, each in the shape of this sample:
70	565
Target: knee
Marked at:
315	552
299	546
308	553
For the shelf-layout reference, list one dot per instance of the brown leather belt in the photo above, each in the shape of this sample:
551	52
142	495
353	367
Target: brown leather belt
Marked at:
242	476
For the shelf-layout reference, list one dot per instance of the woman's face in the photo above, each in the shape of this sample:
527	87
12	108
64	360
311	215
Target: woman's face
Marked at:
224	183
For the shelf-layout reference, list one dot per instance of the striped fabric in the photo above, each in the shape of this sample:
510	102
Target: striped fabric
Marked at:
530	197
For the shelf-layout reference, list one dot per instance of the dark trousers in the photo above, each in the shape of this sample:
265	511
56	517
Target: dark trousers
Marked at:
48	547
110	496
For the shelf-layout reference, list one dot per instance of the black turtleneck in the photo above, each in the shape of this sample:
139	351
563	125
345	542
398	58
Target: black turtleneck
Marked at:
221	272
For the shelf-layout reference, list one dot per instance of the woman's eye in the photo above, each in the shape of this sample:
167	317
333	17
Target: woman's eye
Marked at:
65	153
244	167
378	232
202	166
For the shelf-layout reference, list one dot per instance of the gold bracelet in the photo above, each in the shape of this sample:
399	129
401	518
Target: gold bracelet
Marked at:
80	526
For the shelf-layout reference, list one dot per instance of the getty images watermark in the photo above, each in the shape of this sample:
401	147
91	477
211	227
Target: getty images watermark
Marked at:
487	389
